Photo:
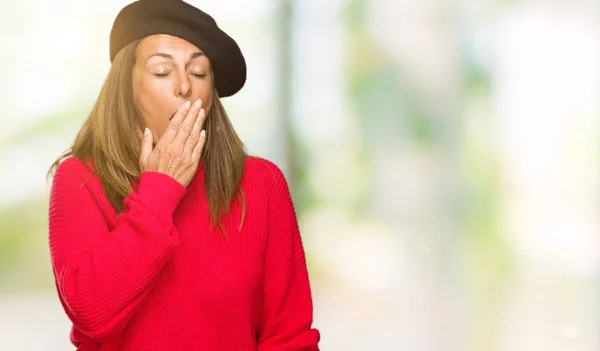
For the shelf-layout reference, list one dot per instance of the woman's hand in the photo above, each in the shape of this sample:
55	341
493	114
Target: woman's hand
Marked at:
178	150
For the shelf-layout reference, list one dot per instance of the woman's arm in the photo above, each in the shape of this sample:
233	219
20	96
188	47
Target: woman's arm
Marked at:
287	313
102	275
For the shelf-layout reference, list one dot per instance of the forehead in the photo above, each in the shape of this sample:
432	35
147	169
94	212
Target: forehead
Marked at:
167	44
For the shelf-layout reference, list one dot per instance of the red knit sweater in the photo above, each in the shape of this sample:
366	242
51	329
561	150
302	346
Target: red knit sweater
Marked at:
158	278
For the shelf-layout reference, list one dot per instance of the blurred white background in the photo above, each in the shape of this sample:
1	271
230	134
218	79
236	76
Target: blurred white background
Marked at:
443	158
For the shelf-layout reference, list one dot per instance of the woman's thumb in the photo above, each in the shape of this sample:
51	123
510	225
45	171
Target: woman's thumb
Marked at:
146	145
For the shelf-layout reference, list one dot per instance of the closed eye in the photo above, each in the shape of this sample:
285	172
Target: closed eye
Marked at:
197	75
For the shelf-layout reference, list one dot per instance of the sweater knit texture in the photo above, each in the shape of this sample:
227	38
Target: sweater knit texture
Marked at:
158	277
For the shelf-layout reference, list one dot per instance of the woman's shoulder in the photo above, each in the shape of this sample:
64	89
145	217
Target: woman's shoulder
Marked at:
73	168
262	170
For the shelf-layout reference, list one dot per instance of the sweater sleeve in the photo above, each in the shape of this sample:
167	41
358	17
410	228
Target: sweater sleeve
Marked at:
104	274
287	312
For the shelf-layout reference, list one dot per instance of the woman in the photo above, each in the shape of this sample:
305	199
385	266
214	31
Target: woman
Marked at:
164	234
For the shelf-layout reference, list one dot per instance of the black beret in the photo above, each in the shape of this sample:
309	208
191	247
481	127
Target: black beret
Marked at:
178	18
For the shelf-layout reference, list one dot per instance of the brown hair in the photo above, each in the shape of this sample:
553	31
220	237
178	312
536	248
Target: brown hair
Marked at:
109	138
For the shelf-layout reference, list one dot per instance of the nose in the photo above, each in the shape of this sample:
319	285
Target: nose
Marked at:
183	88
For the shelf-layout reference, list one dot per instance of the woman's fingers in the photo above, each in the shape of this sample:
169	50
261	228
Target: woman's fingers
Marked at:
194	137
187	126
199	146
174	125
178	150
146	147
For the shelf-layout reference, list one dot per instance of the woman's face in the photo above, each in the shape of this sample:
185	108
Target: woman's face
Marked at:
169	71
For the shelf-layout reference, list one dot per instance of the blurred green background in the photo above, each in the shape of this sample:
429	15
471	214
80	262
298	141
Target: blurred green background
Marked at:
443	160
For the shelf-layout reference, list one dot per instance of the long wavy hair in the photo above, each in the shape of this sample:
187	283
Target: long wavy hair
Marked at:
110	139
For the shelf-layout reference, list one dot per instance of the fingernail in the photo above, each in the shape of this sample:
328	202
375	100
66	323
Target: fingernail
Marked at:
203	133
146	131
196	103
201	112
187	104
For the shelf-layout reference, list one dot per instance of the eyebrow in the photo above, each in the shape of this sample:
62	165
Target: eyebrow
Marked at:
170	57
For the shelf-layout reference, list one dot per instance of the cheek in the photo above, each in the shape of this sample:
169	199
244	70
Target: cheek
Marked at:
203	91
150	94
150	101
207	105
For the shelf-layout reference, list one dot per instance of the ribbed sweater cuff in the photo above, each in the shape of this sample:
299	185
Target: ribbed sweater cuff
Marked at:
160	191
